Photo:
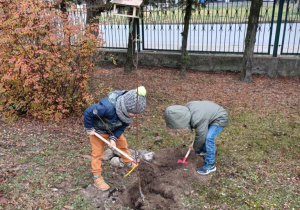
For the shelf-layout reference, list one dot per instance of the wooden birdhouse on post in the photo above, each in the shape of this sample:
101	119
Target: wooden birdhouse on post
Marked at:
123	4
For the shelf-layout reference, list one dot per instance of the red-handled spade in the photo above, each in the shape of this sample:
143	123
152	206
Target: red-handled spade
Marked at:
185	157
188	152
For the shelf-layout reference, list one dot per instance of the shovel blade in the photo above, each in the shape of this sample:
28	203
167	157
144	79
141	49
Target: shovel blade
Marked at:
182	161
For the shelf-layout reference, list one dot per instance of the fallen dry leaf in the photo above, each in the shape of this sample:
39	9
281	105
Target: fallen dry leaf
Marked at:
3	200
60	169
68	207
86	156
49	207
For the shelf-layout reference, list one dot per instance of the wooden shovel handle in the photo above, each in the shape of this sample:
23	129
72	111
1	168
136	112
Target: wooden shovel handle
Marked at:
108	143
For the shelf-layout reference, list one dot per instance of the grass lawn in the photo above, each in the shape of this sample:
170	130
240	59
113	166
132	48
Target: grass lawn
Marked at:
44	165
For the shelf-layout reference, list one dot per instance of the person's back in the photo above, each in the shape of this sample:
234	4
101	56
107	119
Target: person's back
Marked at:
212	112
109	121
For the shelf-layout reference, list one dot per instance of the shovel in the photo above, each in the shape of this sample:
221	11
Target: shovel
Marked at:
120	151
188	152
185	157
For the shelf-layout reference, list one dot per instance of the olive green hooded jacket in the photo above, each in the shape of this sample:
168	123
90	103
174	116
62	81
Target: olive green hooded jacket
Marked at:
198	115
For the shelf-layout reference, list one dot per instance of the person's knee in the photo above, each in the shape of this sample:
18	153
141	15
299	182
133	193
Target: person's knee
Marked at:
97	155
210	139
210	144
123	145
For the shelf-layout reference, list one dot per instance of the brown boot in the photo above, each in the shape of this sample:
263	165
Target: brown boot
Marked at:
100	183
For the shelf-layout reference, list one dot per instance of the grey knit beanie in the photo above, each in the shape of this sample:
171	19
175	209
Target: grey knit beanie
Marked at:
130	103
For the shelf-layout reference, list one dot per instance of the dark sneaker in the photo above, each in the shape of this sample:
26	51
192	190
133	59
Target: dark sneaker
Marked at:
206	169
200	153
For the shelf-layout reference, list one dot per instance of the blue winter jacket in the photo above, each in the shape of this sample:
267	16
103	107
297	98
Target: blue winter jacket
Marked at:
106	110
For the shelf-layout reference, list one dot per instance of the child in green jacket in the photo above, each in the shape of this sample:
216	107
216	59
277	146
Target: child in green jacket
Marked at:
208	119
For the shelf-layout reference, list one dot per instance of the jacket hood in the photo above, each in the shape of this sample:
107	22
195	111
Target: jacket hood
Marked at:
113	96
177	117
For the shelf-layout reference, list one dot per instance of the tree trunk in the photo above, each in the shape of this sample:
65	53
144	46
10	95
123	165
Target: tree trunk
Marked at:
298	6
91	13
246	73
63	6
131	54
184	54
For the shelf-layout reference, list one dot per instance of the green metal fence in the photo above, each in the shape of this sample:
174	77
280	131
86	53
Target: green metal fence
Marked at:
219	27
291	32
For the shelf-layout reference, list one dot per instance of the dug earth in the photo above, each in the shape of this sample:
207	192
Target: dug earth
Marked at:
161	184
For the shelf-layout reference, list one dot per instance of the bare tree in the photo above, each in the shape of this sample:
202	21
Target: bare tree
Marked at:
130	62
184	53
246	73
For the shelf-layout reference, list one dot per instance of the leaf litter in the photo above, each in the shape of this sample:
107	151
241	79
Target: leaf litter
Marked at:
166	184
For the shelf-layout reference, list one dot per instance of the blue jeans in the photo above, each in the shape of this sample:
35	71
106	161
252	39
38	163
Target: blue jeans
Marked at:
210	146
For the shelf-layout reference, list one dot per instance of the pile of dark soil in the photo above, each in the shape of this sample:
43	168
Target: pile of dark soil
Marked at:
164	182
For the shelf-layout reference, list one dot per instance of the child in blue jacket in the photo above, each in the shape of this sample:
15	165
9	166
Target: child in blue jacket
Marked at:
109	118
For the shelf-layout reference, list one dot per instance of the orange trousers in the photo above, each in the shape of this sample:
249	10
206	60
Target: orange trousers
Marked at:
98	150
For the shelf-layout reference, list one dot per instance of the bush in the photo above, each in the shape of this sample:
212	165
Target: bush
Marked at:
45	61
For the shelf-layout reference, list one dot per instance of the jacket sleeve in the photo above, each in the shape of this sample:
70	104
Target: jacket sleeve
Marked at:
88	119
92	113
119	131
201	132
